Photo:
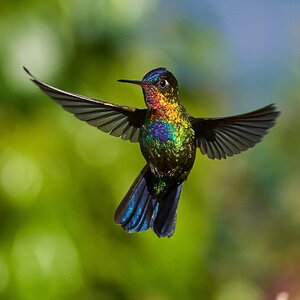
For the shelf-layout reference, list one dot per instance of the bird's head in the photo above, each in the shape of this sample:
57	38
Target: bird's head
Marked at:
160	87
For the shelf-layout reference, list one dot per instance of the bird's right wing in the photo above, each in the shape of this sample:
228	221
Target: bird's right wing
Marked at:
226	136
117	120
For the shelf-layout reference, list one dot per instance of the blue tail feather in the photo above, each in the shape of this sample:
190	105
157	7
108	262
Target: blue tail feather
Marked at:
135	211
165	221
140	209
144	219
140	201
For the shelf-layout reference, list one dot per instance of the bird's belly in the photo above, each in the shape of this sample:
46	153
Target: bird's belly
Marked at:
169	149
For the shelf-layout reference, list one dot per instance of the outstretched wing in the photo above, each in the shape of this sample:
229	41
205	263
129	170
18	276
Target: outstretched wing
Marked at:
222	137
114	119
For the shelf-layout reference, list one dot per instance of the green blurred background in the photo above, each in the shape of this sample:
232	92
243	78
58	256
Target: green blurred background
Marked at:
238	229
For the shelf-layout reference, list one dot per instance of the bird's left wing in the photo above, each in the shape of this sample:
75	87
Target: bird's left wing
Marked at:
223	137
117	120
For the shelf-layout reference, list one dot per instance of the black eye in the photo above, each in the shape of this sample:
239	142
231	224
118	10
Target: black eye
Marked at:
163	83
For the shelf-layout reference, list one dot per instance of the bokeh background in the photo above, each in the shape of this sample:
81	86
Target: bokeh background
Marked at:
238	230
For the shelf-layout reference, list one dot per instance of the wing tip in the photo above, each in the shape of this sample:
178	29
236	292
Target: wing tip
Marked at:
273	109
28	72
32	78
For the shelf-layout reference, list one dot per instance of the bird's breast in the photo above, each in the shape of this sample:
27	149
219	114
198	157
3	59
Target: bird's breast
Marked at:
168	147
161	131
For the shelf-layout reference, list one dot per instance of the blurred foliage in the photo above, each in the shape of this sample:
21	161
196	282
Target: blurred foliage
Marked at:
238	231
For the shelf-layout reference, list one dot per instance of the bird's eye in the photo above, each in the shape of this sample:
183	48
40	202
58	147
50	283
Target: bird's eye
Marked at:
163	83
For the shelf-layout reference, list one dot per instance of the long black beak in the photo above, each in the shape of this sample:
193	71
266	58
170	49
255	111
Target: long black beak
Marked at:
138	82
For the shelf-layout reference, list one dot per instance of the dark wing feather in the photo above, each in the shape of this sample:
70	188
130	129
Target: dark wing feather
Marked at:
223	137
114	119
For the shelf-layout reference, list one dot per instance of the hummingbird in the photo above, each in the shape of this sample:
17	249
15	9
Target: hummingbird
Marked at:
168	137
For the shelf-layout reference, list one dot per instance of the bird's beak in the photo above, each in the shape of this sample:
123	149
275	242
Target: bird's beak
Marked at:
138	82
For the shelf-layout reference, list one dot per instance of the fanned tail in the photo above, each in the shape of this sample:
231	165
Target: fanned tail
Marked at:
141	209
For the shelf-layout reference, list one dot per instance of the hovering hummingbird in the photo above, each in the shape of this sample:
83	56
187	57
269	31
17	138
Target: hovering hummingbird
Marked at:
168	136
